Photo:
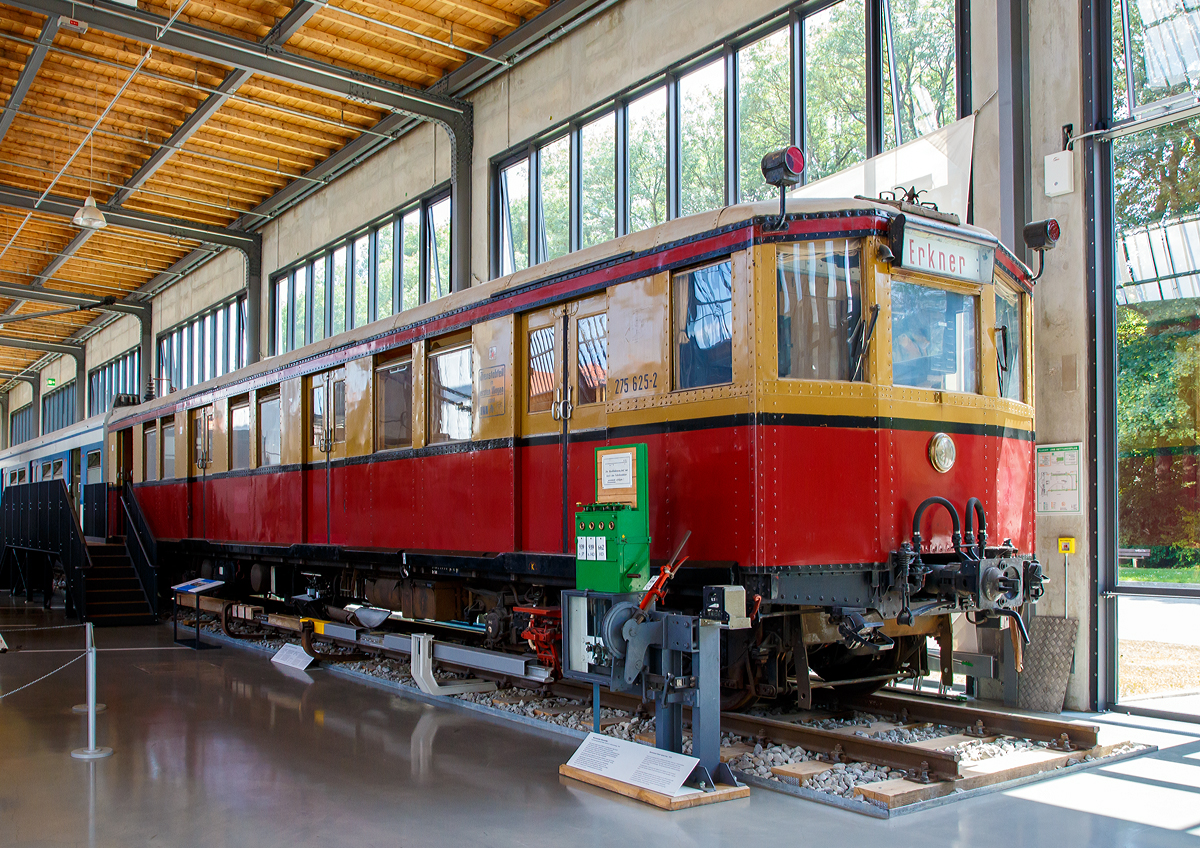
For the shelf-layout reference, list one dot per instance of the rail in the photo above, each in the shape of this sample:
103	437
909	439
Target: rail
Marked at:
143	550
41	517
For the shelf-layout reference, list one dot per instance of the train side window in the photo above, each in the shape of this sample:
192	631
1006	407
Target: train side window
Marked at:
318	411
150	452
393	405
168	452
329	407
93	467
934	338
269	439
543	374
21	476
591	353
451	395
819	301
702	321
1010	341
46	472
239	433
57	473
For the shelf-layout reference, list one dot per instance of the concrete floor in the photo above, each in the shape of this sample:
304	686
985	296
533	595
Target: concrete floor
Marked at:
221	748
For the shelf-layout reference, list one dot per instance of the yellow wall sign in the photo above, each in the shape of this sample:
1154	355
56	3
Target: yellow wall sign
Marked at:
1066	544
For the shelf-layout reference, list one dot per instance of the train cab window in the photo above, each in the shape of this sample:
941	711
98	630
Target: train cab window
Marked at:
451	396
934	335
702	324
1010	340
819	301
239	434
12	478
21	476
393	404
57	472
329	408
168	450
93	468
150	452
269	439
46	472
543	372
591	353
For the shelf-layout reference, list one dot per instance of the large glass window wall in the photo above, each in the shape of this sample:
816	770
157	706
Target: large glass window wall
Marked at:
691	139
385	268
204	347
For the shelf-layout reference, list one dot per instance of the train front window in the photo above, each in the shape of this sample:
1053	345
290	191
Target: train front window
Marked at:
820	316
1009	343
450	395
703	326
934	338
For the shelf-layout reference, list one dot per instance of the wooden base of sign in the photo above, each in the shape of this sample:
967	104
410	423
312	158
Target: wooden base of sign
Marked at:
666	802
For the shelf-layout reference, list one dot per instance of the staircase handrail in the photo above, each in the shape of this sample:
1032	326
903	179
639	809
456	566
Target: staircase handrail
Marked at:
144	554
27	523
143	564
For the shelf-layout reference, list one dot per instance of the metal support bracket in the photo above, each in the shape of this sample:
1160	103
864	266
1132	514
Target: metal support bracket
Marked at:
422	671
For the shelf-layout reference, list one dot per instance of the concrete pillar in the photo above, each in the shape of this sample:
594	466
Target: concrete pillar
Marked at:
4	421
36	384
254	289
80	384
146	375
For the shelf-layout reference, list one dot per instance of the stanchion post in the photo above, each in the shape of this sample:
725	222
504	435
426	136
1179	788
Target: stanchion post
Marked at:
91	752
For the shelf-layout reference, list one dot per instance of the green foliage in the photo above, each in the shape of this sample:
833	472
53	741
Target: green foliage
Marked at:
702	138
923	38
835	73
764	110
1155	371
648	160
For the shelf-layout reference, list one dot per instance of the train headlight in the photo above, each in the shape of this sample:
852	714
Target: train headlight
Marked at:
941	452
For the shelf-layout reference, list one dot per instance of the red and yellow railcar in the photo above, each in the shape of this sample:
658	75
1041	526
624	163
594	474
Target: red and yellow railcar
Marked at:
801	389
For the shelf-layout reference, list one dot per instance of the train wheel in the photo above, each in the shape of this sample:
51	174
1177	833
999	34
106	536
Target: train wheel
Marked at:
834	663
737	699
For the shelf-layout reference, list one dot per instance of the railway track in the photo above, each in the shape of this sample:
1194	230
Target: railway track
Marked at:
929	767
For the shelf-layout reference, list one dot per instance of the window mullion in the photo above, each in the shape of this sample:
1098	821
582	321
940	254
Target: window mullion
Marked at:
732	189
796	28
537	249
962	56
621	196
874	81
575	217
674	169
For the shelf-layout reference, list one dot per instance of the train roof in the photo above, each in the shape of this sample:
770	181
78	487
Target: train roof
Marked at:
671	232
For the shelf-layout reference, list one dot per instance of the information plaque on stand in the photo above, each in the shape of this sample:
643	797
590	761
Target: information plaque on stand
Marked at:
197	587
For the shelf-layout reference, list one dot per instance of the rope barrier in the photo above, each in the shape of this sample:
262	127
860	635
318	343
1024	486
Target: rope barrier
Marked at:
44	676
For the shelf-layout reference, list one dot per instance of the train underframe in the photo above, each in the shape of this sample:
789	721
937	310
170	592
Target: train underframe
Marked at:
854	626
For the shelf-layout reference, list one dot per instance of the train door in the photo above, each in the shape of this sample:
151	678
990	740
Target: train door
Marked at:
326	444
124	458
74	463
201	425
563	410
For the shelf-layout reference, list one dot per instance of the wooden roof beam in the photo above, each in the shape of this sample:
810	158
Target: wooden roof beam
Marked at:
28	73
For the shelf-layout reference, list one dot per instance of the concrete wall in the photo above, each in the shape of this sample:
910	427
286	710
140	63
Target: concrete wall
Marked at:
1063	396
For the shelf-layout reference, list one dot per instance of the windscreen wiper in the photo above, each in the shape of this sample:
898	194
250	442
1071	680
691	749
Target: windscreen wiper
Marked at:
866	331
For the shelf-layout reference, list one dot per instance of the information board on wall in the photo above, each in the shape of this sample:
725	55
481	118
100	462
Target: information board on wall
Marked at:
1060	479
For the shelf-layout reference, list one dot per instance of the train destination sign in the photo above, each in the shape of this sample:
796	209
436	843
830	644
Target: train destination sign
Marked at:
946	256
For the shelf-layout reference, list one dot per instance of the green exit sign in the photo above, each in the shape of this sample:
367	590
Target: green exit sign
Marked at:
51	382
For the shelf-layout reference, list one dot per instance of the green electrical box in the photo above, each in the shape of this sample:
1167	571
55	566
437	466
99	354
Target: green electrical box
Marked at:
612	536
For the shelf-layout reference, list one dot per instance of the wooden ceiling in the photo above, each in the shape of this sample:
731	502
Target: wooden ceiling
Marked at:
263	137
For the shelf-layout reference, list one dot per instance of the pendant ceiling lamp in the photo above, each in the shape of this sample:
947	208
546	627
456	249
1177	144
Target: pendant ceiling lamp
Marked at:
88	216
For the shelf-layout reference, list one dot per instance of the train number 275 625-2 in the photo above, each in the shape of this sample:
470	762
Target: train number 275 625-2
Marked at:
636	383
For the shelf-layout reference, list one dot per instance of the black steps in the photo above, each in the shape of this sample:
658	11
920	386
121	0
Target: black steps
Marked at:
113	592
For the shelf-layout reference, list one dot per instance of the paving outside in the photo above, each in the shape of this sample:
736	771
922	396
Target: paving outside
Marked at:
1159	653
